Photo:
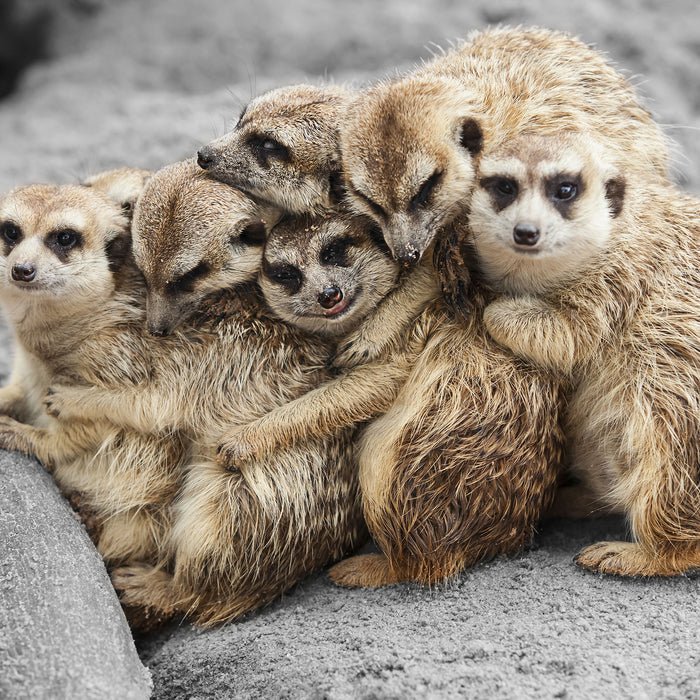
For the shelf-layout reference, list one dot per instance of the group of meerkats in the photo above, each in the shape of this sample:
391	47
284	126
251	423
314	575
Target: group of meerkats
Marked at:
406	309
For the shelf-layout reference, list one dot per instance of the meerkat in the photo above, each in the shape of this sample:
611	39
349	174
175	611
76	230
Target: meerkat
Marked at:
326	276
237	539
409	146
76	306
462	451
284	150
600	279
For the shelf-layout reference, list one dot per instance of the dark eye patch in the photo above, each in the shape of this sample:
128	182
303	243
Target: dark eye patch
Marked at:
420	199
503	190
253	234
562	190
370	202
185	282
285	275
266	148
11	234
63	241
336	252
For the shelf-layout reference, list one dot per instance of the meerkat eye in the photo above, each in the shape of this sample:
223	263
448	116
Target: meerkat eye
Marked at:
379	212
185	282
503	190
10	232
566	191
269	148
67	238
336	252
285	275
420	199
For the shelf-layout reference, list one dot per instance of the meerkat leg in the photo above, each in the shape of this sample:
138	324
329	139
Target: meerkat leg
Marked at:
365	571
390	319
661	497
359	395
135	408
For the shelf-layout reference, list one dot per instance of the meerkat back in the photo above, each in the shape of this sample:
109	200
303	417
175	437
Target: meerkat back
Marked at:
414	180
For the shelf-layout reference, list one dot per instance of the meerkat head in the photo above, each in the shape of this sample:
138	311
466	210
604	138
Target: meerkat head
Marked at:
122	185
408	149
284	149
192	236
324	275
542	208
57	245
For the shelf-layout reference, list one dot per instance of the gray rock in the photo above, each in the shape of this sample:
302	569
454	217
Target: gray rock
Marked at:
62	630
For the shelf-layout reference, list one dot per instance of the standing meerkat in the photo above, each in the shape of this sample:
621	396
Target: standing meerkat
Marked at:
409	146
284	150
75	303
465	458
238	539
601	282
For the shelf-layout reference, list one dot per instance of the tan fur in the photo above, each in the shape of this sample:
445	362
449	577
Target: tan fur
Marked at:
238	539
72	321
624	327
409	145
462	465
284	149
302	258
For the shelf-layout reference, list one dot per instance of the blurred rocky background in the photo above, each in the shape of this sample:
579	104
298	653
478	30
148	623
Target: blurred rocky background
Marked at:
93	84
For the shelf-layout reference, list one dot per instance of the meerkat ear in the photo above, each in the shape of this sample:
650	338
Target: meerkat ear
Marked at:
471	136
118	250
254	233
615	194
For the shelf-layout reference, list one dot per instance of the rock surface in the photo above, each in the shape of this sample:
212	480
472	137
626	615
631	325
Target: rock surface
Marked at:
142	84
62	630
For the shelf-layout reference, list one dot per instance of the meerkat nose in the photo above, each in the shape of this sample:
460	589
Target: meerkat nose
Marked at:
526	234
23	273
204	158
329	297
408	255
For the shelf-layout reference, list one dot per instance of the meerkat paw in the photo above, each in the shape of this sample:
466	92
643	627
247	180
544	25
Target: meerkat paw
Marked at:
145	586
631	559
235	450
58	403
502	318
356	351
364	571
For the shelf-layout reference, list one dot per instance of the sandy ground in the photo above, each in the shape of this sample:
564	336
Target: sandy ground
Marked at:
143	84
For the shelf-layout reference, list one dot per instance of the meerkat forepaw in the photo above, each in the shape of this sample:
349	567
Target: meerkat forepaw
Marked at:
351	354
364	570
234	452
623	559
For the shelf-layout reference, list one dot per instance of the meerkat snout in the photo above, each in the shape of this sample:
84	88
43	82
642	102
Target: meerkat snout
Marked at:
526	234
205	157
330	297
24	272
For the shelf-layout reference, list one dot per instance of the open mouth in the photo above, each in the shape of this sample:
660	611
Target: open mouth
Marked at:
339	309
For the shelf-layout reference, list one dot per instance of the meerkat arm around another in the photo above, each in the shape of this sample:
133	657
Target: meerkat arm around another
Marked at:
556	339
391	318
363	393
